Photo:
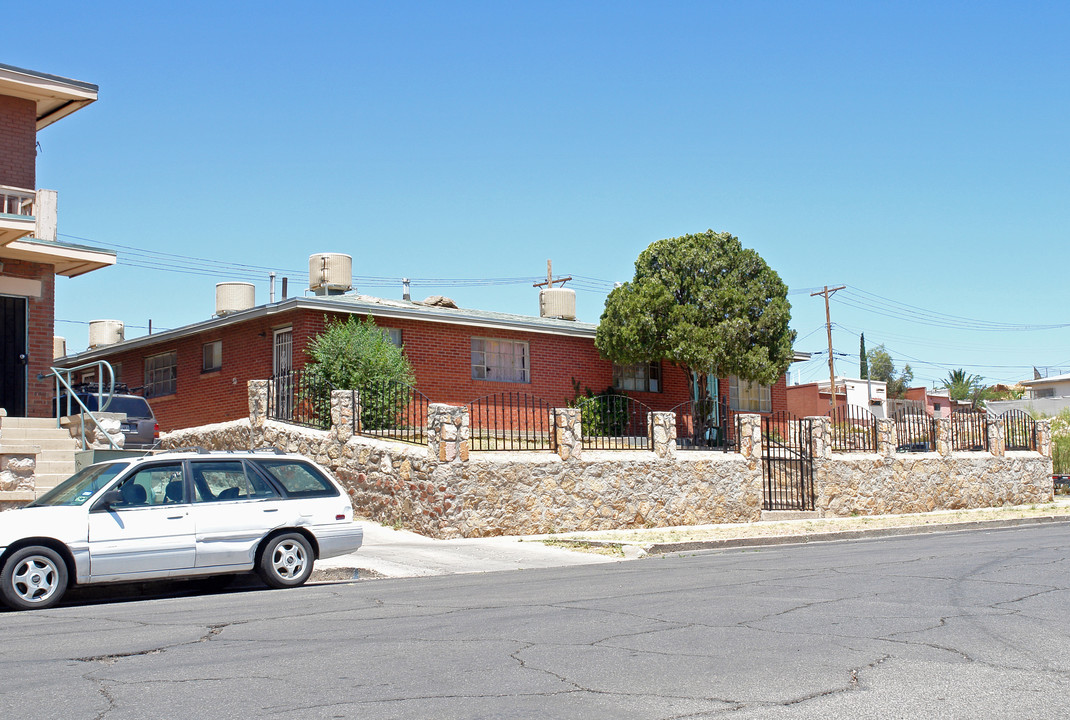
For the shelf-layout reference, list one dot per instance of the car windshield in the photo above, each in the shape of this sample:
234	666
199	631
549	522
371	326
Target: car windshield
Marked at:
81	486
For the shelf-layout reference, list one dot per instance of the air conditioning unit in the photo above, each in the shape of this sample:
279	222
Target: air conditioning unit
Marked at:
330	273
232	297
105	332
557	303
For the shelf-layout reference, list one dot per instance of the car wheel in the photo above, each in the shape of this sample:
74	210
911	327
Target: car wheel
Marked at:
286	561
33	578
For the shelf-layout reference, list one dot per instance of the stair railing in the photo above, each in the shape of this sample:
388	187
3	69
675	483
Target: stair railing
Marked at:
63	380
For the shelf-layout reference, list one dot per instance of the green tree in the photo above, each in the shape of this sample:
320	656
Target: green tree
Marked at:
706	304
357	355
964	386
863	365
882	368
352	353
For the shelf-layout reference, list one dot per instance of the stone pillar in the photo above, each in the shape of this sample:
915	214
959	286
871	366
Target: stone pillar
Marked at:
997	437
661	426
1044	437
750	436
943	436
887	437
821	436
343	408
568	432
258	403
447	432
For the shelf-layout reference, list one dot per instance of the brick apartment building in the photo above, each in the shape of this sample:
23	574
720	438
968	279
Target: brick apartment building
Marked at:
30	254
197	374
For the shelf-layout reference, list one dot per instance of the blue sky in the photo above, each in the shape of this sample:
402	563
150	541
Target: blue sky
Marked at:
915	152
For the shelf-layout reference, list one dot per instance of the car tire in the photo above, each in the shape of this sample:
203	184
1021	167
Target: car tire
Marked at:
33	578
286	561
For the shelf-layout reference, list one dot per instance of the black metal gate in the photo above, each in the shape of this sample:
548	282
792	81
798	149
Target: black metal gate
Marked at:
787	462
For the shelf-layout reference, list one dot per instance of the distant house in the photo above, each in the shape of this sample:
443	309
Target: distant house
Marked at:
1049	387
937	402
30	254
814	398
197	374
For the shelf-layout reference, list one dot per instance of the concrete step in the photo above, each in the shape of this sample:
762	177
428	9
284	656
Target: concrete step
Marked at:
43	483
54	467
24	432
23	422
51	444
19	448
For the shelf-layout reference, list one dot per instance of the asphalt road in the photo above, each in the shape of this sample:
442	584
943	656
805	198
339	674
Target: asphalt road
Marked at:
957	625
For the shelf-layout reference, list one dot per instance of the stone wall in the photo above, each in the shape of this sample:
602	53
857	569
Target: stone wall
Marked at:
443	490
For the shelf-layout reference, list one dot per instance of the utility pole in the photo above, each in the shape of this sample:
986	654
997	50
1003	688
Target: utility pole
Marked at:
550	279
828	326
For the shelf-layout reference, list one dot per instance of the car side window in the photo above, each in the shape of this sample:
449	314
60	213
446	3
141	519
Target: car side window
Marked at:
298	479
151	486
220	480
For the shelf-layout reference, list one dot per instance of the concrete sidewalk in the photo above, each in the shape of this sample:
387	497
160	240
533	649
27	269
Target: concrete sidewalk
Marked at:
399	553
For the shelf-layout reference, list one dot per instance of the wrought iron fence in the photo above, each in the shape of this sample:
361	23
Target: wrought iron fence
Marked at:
615	422
392	410
511	421
300	397
706	424
969	430
915	429
1019	430
787	462
854	429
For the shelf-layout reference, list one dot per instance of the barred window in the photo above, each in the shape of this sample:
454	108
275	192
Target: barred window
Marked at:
643	377
749	396
160	374
500	360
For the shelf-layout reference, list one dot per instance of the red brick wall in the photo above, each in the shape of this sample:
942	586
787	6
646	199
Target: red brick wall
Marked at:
440	355
18	142
40	329
806	400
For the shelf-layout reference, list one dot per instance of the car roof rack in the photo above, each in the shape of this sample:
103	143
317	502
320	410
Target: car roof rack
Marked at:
189	449
274	450
92	387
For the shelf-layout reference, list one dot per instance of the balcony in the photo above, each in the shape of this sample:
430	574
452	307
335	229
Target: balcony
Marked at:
16	213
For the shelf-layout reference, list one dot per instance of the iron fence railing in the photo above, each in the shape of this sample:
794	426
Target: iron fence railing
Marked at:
969	430
787	462
854	429
391	410
915	429
511	421
300	397
706	424
1019	430
615	422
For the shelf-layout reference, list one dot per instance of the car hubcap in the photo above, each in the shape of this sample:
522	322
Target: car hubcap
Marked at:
35	579
289	560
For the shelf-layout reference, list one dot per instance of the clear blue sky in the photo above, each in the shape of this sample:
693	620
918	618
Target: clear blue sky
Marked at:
915	152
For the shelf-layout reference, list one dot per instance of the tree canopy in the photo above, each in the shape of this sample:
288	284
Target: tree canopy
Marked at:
965	386
706	304
882	368
352	353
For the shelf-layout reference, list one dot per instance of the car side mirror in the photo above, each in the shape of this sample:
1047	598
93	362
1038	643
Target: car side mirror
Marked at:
112	497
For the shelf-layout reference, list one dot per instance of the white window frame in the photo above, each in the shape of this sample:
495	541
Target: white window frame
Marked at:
393	335
500	360
747	396
640	377
161	374
215	362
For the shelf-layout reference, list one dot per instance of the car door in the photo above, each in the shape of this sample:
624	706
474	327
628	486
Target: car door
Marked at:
233	508
150	533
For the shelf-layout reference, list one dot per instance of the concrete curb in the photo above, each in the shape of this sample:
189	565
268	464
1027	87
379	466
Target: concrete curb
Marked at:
727	543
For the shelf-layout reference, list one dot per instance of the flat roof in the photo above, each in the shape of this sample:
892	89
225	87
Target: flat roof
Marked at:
56	97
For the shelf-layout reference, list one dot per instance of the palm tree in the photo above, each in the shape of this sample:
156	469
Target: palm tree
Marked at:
964	386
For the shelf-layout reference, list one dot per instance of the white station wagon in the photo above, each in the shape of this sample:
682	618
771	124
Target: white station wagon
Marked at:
176	514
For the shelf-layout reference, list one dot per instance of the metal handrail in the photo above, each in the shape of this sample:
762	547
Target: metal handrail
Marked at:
63	376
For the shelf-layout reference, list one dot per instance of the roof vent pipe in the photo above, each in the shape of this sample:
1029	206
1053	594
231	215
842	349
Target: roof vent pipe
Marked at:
405	289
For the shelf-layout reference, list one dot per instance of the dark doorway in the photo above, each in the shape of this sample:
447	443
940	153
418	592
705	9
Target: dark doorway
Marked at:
13	355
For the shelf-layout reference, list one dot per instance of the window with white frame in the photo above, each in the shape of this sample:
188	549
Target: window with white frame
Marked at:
643	377
500	360
212	355
393	335
161	372
749	396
